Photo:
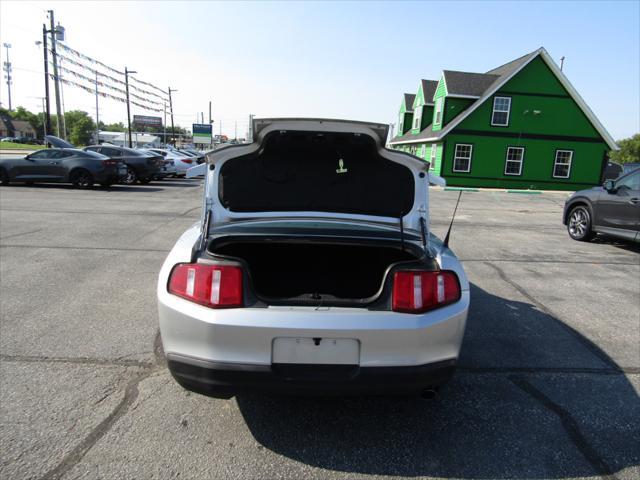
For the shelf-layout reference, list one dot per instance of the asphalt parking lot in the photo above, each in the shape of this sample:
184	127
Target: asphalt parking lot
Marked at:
547	385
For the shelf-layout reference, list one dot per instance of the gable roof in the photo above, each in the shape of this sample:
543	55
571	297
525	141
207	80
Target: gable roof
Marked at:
428	90
502	75
408	102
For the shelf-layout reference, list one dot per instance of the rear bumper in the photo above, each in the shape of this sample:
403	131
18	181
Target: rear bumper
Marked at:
224	380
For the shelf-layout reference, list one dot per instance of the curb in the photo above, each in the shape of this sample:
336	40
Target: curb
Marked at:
461	189
525	192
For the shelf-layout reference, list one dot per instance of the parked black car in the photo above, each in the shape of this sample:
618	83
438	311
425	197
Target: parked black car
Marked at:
141	166
613	209
62	165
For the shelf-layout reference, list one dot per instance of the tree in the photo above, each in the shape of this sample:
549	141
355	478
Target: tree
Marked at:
80	127
629	150
112	127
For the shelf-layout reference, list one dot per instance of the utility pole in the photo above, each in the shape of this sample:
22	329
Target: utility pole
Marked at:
64	121
164	123
47	116
7	69
126	84
173	133
97	115
52	31
43	113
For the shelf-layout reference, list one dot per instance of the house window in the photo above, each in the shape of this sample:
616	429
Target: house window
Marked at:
438	114
501	108
513	164
417	117
462	158
562	165
434	150
400	125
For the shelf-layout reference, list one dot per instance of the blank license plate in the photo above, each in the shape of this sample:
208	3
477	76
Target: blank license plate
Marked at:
328	351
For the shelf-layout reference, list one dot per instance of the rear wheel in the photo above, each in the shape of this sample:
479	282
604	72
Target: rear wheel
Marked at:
144	181
130	178
4	177
579	224
81	178
106	185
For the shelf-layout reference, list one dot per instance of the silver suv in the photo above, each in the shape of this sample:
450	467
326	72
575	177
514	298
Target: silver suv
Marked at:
312	270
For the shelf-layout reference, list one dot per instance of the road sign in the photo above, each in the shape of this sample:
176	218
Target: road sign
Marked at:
202	133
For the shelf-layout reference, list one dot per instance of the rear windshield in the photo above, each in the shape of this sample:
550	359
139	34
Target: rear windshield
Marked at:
309	171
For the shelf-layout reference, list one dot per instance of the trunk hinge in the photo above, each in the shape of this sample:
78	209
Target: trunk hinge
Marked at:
424	229
206	222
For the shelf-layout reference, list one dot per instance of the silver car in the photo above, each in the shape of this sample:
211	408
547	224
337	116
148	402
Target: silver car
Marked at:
312	270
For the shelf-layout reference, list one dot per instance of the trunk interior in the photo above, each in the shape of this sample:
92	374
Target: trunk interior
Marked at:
314	271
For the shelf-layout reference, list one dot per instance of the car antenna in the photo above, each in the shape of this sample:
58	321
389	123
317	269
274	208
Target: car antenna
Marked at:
445	244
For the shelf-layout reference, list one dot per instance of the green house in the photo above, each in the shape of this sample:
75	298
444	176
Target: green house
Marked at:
521	125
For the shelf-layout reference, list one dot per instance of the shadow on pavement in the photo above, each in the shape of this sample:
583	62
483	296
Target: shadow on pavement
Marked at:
616	242
532	399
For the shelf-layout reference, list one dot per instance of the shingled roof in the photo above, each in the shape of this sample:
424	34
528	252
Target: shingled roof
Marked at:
467	83
483	85
428	90
408	101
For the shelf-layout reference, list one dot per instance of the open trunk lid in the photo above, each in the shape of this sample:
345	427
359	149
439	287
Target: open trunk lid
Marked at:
315	169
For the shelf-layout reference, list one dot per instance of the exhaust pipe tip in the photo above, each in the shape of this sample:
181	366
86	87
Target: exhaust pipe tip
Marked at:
428	393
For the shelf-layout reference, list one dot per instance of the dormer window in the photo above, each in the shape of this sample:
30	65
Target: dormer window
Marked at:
437	119
401	124
417	117
501	109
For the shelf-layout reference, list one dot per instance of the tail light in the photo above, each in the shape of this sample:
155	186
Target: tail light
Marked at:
110	163
417	292
215	286
186	160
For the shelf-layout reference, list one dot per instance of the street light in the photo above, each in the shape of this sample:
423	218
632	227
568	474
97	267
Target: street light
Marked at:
127	72
7	69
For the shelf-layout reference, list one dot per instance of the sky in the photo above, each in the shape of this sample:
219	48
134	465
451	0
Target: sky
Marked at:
331	59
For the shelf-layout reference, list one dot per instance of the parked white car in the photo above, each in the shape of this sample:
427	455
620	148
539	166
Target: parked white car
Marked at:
181	162
312	270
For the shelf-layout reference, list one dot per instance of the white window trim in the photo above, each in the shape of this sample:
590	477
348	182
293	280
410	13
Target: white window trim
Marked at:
555	163
455	156
400	125
433	153
417	117
438	110
507	111
506	161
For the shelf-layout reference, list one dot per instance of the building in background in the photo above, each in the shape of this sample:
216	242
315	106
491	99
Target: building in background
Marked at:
521	125
15	128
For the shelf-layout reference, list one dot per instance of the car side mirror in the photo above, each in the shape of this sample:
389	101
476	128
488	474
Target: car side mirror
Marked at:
28	157
609	186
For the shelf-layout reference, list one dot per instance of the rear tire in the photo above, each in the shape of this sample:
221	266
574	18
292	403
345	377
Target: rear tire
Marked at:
106	185
81	178
130	178
579	224
4	177
144	181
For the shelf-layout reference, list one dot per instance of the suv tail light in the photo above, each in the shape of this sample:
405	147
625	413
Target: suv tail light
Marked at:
110	163
215	286
417	292
186	160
